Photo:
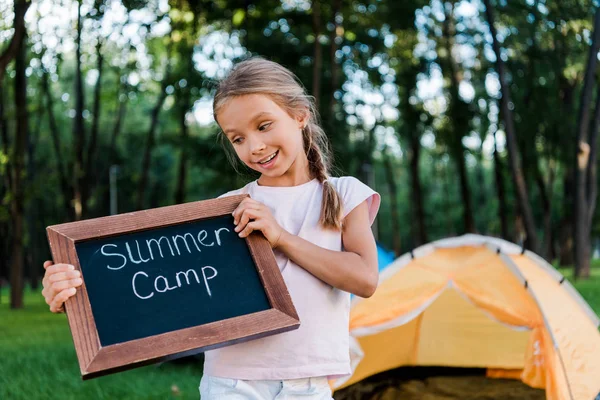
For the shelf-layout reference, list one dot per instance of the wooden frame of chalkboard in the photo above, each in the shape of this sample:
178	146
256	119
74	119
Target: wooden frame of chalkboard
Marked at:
97	360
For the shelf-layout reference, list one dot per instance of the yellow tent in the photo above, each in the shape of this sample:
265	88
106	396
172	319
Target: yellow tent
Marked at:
476	301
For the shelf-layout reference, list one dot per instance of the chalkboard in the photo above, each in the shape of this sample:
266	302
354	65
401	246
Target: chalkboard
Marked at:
168	282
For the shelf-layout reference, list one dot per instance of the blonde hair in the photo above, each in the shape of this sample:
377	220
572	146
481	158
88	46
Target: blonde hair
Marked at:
259	76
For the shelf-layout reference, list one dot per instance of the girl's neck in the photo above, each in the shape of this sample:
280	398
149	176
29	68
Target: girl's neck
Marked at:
297	174
284	180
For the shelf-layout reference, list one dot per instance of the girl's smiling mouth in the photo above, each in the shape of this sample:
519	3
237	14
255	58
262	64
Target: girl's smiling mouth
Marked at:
269	161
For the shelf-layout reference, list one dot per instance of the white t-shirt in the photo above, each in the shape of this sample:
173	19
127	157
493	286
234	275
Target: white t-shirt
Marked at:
320	346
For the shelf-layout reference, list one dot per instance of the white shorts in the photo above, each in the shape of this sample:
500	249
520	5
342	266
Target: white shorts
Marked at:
215	388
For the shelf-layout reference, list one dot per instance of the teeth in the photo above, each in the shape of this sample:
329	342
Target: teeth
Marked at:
268	159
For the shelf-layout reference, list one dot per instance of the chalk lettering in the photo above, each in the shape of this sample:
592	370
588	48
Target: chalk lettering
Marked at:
184	237
134	251
158	243
161	283
207	278
187	278
166	283
217	232
201	240
104	253
141	260
133	284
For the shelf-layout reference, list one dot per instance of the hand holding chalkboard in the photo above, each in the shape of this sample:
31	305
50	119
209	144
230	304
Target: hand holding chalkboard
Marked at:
251	215
167	282
60	281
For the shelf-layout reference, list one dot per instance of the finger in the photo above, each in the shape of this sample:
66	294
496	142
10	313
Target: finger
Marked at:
238	212
57	304
50	290
244	204
58	287
59	268
63	276
47	264
53	269
252	226
240	207
247	215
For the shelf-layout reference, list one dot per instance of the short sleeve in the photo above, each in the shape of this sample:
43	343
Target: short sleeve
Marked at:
353	192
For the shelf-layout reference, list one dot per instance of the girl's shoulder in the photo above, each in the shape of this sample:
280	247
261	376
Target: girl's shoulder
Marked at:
352	192
242	190
346	184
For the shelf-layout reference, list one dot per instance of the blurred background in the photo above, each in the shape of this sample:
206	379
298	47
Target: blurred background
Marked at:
475	116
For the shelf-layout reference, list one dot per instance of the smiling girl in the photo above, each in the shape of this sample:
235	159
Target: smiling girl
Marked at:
317	225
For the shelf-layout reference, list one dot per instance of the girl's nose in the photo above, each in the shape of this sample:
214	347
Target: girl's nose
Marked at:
258	146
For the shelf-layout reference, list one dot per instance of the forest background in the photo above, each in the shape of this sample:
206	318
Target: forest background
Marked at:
472	116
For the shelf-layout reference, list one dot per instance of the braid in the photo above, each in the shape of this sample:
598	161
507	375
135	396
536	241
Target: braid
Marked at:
331	207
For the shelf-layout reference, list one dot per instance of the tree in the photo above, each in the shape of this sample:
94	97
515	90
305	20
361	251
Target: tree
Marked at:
17	164
459	114
511	139
585	168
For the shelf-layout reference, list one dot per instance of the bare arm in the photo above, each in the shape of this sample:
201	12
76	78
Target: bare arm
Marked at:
353	270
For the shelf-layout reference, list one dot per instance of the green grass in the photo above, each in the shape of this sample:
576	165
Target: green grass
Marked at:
38	361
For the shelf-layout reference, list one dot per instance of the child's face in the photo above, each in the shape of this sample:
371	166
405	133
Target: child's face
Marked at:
264	136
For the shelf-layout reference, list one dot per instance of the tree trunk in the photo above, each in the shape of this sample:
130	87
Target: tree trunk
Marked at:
460	123
566	90
185	104
181	176
90	178
20	8
530	140
18	200
5	243
152	129
33	264
53	127
482	195
465	191
502	208
317	56
417	191
391	182
5	239
78	127
582	240
592	180
545	198
5	141
511	141
333	47
122	89
149	147
566	235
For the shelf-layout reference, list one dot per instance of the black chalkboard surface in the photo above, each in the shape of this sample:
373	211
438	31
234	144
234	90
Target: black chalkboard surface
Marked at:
168	282
169	278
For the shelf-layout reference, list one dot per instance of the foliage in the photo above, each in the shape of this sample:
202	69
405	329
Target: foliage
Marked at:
380	61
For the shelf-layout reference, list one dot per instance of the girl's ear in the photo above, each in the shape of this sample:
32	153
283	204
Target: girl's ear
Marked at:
302	119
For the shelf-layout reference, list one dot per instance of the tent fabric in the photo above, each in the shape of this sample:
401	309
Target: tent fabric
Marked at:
475	301
384	257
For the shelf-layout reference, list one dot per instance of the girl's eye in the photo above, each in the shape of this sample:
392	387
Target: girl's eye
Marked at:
236	140
264	126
